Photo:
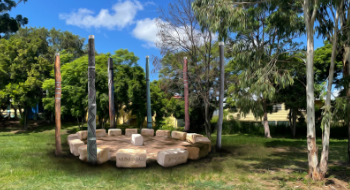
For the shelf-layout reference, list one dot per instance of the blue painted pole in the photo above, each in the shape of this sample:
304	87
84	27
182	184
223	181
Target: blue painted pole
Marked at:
149	115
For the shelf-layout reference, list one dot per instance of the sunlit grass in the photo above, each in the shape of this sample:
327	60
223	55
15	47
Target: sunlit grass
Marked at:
247	162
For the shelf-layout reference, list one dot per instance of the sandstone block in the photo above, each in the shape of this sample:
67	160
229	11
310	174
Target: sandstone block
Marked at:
163	133
82	134
172	157
129	132
72	136
101	133
137	139
191	137
74	144
102	154
131	158
114	132
147	132
197	150
204	140
179	135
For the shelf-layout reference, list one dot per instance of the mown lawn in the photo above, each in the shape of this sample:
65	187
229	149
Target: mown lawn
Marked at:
27	161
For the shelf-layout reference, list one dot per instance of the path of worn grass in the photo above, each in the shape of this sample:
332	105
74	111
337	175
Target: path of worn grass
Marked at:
248	162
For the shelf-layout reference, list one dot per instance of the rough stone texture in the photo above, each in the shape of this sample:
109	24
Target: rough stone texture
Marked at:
197	150
131	158
147	132
72	136
179	135
203	140
101	133
129	132
163	133
191	137
172	157
137	139
74	144
114	132
102	154
82	135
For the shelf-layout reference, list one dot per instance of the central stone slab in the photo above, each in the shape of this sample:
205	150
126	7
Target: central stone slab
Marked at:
131	158
137	139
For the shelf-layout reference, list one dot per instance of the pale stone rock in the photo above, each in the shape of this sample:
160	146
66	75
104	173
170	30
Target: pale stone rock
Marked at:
72	136
114	132
102	154
129	132
131	158
82	135
204	140
163	133
172	157
101	133
197	150
147	132
137	139
191	137
179	135
74	144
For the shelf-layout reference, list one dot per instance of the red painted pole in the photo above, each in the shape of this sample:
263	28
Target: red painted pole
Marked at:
58	89
187	116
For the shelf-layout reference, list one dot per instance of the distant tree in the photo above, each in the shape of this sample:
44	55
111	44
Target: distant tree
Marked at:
9	24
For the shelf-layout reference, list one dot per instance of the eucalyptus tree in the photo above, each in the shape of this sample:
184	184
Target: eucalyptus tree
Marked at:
179	32
262	38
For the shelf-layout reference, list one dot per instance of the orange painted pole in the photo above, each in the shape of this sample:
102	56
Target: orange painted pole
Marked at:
58	90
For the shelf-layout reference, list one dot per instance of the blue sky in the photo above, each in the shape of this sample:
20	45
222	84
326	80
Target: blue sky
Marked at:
127	24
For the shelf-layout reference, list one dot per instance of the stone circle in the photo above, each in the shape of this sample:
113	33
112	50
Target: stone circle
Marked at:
165	149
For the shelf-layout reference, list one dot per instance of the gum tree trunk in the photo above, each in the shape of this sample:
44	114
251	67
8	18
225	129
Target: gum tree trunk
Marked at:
91	139
325	141
294	121
266	122
314	171
58	105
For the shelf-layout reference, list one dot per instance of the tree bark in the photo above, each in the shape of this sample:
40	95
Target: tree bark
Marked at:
207	122
325	144
294	115
16	117
111	94
314	171
266	122
221	100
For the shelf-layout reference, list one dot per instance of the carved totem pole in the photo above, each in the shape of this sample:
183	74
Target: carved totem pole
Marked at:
149	115
187	116
221	100
91	138
58	90
111	93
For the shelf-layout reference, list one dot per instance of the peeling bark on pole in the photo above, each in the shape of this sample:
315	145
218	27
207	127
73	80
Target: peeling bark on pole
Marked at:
91	139
187	116
149	115
58	90
221	99
111	93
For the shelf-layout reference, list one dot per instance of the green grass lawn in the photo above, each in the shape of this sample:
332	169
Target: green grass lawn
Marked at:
28	161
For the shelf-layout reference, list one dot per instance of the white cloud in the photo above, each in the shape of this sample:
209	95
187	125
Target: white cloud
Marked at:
150	3
122	15
146	30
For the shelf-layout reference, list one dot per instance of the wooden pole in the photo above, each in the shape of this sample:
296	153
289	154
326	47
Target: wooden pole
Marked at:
58	90
91	139
221	100
111	93
149	112
187	116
